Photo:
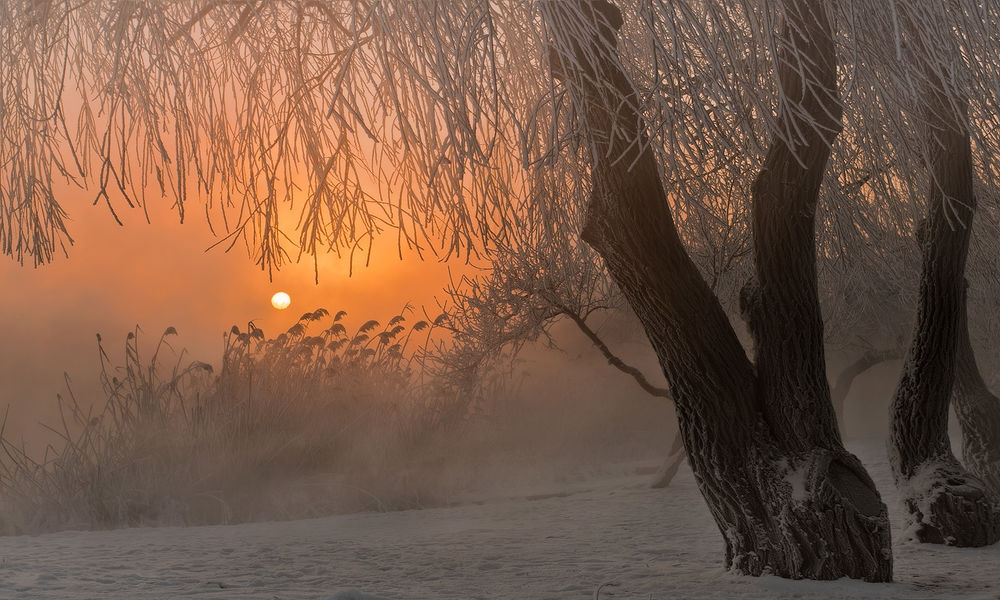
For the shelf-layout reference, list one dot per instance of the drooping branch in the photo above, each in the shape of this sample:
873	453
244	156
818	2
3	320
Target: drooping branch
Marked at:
613	359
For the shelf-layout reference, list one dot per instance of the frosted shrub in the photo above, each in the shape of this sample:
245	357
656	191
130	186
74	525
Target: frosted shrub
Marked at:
286	426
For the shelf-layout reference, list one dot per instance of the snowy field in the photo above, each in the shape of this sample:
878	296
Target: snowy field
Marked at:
560	542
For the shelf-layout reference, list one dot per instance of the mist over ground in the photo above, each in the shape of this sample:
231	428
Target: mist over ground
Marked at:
563	415
165	274
208	446
263	449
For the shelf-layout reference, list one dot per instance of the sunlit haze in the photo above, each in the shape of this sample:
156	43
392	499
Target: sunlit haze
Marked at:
544	299
162	274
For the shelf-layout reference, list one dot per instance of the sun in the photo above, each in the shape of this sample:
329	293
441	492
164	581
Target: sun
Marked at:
281	300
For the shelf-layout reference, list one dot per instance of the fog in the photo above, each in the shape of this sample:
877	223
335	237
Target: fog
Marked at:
564	414
746	199
562	417
158	275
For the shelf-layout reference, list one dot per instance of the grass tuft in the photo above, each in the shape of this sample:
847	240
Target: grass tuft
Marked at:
290	426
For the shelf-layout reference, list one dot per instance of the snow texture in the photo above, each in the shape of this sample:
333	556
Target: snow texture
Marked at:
614	533
796	478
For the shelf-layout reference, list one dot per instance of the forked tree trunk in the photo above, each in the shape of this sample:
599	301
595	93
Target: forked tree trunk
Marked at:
787	497
946	504
978	412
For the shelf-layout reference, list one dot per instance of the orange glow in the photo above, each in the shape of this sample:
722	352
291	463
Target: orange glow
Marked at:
147	275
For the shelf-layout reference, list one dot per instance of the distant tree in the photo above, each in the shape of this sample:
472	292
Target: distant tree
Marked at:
535	282
442	119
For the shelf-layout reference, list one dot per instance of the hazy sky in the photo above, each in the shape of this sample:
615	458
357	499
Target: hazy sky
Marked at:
159	275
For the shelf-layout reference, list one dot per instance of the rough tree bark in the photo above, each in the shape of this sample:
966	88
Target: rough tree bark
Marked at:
787	497
946	504
978	412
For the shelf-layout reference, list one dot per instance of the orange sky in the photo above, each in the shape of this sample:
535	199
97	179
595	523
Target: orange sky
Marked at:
159	275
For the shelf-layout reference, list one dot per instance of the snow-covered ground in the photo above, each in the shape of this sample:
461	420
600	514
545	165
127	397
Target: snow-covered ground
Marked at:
562	542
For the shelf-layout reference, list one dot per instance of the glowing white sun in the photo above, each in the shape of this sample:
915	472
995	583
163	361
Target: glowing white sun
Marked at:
281	300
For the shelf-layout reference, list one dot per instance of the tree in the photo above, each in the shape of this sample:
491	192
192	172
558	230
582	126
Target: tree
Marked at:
442	119
978	411
945	503
763	442
537	279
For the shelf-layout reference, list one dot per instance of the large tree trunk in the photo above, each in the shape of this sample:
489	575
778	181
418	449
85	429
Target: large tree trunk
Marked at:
945	503
787	497
978	412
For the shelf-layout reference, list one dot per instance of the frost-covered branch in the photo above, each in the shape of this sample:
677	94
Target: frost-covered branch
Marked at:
302	127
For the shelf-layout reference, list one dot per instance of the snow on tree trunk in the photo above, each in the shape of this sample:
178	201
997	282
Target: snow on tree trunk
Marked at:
787	497
978	412
946	504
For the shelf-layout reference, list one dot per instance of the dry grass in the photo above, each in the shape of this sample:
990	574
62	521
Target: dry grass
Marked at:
291	426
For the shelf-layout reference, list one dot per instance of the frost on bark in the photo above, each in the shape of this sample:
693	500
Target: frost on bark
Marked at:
946	504
762	443
978	412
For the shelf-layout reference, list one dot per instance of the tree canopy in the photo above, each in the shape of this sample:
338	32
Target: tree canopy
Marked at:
299	127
